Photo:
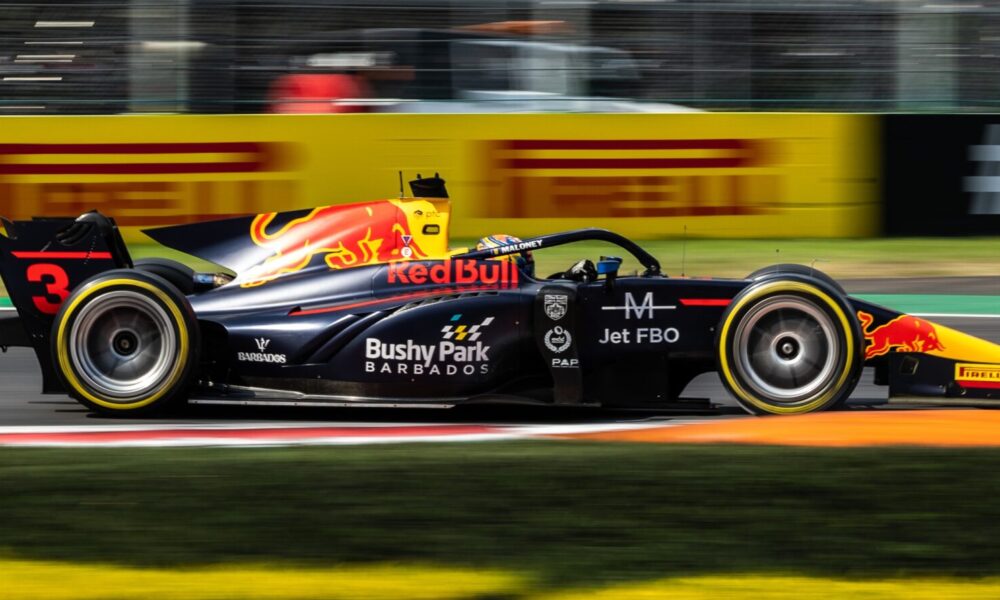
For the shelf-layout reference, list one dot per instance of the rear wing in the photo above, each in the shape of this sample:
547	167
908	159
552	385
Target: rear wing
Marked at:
41	262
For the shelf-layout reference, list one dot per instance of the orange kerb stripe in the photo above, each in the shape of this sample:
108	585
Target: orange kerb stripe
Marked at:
953	427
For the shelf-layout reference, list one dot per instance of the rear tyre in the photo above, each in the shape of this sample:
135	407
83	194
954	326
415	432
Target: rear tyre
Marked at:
179	275
789	345
125	343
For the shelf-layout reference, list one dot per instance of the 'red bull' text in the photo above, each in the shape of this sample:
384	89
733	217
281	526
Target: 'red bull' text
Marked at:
502	273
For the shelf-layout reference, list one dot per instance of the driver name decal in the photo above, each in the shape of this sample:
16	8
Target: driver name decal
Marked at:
516	247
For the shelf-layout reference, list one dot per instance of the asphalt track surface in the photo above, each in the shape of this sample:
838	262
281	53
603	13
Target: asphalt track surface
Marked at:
22	404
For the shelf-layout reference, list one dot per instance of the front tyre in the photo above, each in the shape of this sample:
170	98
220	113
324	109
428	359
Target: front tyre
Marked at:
789	345
771	271
125	343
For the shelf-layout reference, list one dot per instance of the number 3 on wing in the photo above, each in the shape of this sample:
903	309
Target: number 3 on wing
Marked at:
56	286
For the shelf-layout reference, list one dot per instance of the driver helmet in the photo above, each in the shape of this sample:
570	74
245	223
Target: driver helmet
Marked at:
524	260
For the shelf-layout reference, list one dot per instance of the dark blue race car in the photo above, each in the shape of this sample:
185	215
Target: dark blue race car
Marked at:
367	305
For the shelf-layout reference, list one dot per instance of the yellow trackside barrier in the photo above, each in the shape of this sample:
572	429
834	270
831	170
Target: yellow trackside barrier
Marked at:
644	175
43	580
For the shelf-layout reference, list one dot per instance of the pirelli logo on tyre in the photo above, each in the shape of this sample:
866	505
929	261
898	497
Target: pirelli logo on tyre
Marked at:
972	375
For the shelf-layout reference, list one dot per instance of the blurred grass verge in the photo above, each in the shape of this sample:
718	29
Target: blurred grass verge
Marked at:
841	258
560	515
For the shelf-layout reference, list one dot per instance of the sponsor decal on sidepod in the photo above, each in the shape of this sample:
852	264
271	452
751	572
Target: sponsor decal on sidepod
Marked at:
556	306
558	340
466	355
262	356
462	332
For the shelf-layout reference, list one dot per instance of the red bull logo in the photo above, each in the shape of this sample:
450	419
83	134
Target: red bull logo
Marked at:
501	273
345	236
905	333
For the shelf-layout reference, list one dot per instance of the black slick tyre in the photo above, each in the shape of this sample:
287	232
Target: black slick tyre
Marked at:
789	344
795	269
125	343
179	275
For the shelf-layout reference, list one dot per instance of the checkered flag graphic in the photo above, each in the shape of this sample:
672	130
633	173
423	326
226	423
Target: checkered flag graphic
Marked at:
462	333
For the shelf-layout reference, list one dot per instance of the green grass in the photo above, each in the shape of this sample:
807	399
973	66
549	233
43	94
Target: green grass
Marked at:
938	303
560	513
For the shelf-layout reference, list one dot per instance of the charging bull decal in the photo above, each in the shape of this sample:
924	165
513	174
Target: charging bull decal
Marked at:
345	236
905	333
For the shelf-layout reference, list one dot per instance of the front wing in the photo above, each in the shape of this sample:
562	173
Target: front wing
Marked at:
916	357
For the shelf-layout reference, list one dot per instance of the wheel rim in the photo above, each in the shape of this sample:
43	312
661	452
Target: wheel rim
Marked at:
787	350
123	345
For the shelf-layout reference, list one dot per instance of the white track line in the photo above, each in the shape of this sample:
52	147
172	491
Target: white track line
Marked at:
202	435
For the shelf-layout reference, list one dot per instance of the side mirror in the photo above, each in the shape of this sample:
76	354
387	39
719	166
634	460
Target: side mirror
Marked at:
608	266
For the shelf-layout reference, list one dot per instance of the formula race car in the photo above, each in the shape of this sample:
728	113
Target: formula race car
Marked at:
366	305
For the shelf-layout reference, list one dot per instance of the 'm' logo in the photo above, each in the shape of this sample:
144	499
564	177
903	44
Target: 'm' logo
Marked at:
462	333
262	343
646	310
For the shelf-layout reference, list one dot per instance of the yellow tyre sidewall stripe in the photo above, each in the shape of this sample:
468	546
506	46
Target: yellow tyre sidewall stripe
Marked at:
778	287
63	347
